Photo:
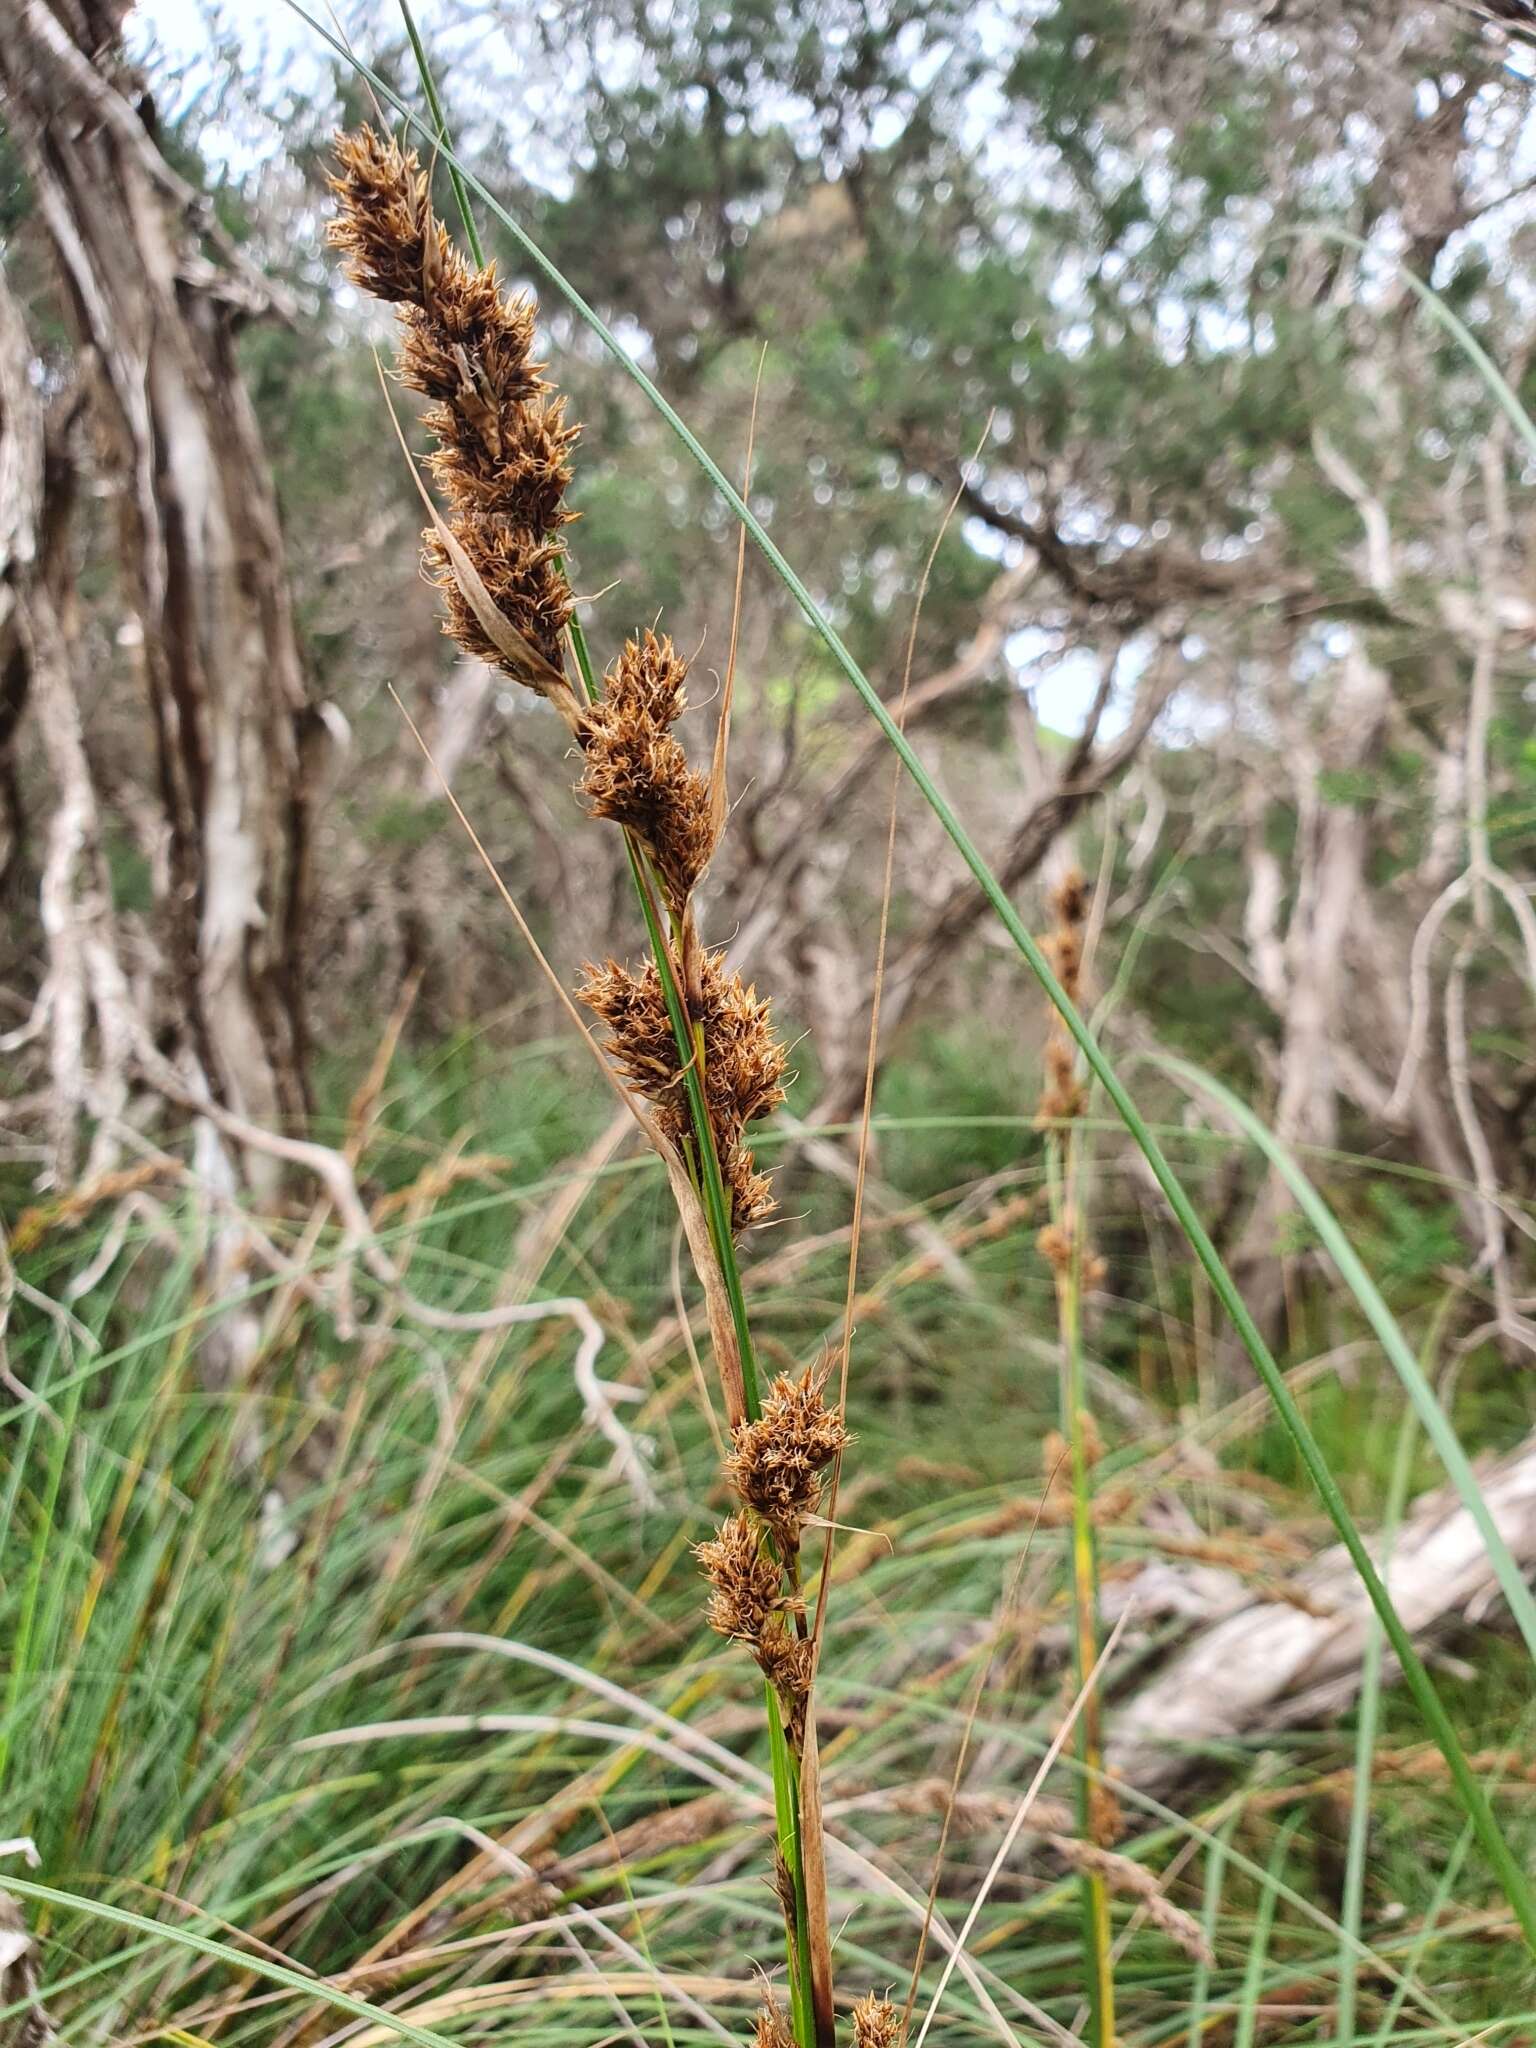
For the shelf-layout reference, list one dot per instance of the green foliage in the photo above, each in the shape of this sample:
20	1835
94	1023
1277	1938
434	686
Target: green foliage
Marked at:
1410	1240
403	823
181	1657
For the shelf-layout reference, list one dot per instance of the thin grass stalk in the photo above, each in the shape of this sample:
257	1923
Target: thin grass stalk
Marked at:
1064	1244
1210	1917
1444	1892
1511	1877
1258	1944
1098	1938
703	1165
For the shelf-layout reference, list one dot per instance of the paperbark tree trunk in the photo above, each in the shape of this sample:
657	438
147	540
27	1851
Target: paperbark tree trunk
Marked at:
156	304
82	1010
1304	972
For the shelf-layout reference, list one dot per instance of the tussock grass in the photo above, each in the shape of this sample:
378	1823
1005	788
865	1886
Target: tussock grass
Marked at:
166	1694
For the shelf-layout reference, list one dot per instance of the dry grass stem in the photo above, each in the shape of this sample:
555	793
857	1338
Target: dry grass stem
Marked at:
1133	1880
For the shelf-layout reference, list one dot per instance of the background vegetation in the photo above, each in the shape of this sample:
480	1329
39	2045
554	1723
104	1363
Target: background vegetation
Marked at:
367	1647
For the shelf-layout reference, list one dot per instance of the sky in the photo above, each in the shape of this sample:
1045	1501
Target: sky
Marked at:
179	28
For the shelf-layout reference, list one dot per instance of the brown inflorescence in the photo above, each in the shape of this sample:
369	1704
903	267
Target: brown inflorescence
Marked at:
1121	1874
503	444
776	1463
788	1662
1063	1097
748	1605
773	2028
876	2023
635	771
745	1582
743	1062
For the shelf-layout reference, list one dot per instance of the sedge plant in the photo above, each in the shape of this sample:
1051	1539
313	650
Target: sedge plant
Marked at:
1063	1243
692	1046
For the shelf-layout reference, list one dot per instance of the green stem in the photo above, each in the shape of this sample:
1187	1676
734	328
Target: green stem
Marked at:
1353	1904
786	1807
440	122
1210	1917
1088	1739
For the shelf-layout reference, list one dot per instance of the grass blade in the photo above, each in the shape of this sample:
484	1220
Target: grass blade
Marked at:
1258	1947
244	1960
1365	1755
1210	1917
1436	307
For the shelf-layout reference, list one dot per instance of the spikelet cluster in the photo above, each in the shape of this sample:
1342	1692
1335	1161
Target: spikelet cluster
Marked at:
773	2028
743	1065
778	1463
503	442
1135	1881
748	1603
635	771
1063	1098
746	1584
876	2023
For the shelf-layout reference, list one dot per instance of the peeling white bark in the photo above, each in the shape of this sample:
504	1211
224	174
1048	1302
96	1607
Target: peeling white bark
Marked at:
202	557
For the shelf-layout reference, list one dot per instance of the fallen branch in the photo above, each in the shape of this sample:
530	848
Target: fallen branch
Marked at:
1265	1664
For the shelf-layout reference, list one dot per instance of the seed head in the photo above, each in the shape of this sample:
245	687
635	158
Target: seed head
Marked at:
773	2029
1064	1097
776	1463
1054	1244
636	772
385	227
876	2023
1070	902
641	1042
1123	1875
744	1062
503	444
523	578
788	1662
746	1583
